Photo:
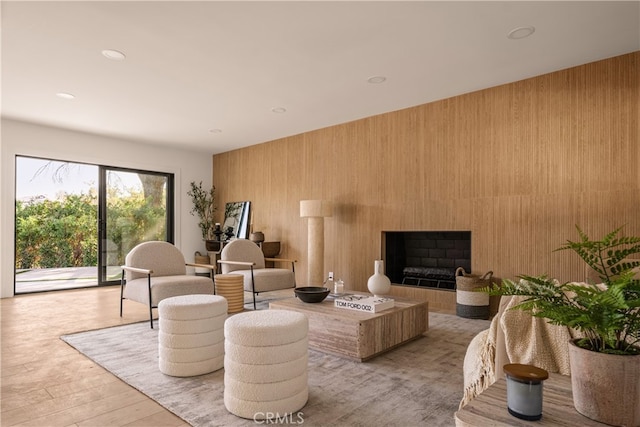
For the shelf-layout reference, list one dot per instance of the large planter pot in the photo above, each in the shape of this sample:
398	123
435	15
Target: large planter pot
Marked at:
606	387
213	245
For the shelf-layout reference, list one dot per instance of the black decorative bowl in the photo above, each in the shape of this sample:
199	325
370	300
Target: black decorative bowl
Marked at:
312	293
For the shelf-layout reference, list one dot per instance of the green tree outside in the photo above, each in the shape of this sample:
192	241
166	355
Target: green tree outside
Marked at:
64	233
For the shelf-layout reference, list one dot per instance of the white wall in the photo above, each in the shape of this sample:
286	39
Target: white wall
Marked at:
21	138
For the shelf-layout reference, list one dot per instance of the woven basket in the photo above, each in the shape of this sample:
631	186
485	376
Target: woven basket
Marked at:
470	303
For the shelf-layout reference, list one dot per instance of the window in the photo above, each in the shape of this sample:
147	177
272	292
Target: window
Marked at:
76	222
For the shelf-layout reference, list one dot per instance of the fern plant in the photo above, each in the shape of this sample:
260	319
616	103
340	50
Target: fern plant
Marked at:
607	315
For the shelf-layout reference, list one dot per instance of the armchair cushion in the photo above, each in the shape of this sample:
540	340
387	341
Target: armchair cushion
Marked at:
159	268
165	287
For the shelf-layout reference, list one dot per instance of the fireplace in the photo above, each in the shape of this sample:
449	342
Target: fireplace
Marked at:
426	258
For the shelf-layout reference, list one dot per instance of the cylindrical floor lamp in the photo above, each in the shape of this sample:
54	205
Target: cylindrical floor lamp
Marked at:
315	211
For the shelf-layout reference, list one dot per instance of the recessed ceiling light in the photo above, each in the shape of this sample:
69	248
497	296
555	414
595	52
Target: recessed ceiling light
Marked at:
279	110
521	32
215	130
114	55
376	79
65	95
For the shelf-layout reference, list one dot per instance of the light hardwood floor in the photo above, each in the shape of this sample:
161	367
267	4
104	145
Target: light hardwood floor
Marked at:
45	382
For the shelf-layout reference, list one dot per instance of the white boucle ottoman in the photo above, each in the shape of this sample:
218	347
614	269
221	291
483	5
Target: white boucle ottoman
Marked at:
191	334
266	357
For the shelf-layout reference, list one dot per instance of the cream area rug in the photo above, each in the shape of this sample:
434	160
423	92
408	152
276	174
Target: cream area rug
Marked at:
419	383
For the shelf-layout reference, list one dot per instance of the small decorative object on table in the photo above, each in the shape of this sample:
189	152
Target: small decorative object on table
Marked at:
229	233
524	390
338	287
270	249
379	284
312	294
217	232
364	303
257	237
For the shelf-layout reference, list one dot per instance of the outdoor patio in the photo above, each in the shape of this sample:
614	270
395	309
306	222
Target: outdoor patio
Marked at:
51	279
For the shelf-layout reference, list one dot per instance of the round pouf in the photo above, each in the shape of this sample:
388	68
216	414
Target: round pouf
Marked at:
191	335
231	286
266	356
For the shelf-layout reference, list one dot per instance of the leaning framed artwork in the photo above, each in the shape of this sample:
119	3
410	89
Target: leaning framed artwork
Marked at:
236	220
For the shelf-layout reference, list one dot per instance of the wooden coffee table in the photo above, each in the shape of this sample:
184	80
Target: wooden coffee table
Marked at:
356	335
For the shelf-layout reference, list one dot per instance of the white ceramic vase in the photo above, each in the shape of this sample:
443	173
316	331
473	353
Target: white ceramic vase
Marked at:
379	284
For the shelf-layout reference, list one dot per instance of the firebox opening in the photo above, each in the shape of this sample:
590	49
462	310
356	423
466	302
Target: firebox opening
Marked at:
426	258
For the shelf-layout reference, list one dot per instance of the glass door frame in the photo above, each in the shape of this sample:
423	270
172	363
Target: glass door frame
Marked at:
54	284
102	215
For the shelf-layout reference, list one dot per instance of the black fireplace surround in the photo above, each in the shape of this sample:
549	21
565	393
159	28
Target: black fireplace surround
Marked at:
426	258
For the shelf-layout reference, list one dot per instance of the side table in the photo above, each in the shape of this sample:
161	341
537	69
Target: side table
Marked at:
231	286
214	247
490	407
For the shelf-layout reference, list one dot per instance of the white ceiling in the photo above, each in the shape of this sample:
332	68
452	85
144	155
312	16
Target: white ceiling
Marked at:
195	66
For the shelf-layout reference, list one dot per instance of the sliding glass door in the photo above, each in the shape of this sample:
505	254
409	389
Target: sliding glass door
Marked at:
55	225
135	207
76	222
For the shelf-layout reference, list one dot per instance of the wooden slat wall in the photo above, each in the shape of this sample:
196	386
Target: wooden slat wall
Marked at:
519	165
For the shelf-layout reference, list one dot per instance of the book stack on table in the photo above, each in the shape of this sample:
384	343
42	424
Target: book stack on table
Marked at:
365	303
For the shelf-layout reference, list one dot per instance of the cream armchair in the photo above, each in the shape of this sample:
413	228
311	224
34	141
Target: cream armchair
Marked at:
157	270
242	256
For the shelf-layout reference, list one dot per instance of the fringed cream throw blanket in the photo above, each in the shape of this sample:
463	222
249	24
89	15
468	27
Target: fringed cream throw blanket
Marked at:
527	340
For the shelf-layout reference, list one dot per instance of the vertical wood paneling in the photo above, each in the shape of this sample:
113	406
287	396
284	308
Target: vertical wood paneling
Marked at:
519	165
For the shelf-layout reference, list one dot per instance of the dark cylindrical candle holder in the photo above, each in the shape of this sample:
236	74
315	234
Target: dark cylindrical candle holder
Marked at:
524	390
